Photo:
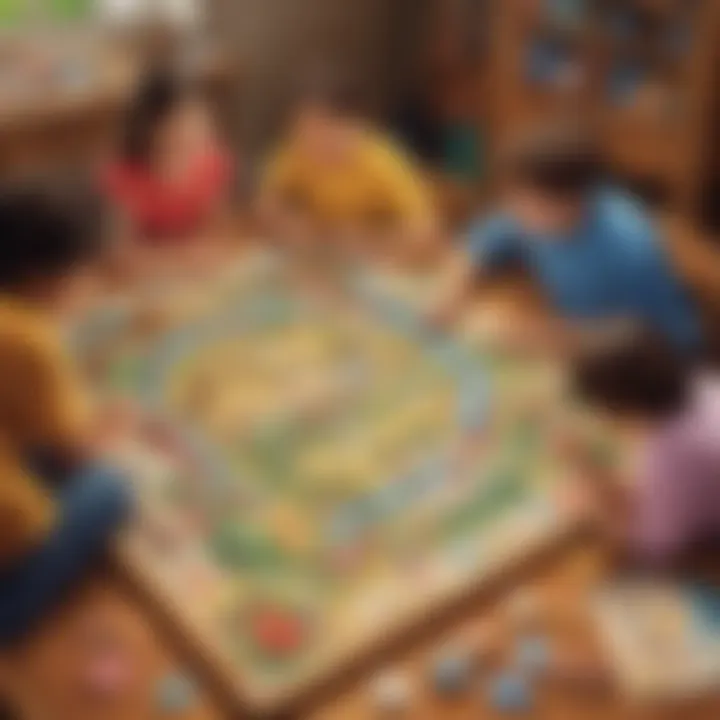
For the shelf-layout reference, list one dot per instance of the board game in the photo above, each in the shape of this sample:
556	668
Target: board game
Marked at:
316	468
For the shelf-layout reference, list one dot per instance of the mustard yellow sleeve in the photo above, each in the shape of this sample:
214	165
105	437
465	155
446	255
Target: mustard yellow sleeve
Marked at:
403	187
42	397
26	509
42	406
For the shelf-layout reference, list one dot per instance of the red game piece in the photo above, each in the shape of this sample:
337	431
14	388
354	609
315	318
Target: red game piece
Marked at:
278	632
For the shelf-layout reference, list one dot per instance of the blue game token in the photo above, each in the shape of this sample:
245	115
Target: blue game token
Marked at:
511	693
451	673
706	603
533	654
175	693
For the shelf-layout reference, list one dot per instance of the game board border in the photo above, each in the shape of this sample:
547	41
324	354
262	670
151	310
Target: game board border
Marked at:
220	674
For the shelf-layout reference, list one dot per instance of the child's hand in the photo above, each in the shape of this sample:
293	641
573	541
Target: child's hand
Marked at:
575	499
510	332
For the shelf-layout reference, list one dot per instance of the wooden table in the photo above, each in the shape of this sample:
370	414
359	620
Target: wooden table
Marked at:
42	678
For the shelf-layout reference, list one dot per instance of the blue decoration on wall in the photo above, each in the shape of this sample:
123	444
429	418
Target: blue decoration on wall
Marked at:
546	61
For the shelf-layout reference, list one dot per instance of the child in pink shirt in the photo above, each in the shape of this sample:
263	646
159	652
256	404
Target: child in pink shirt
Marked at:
674	501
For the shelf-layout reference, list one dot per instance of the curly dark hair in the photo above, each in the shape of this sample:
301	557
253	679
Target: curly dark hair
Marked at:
638	373
158	95
560	159
46	231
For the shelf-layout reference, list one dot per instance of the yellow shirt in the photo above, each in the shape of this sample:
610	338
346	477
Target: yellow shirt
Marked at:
378	184
42	406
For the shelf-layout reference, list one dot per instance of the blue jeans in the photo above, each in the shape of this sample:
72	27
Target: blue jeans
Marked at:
92	505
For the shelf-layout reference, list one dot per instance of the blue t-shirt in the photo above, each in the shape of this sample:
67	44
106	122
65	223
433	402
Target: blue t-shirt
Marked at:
612	266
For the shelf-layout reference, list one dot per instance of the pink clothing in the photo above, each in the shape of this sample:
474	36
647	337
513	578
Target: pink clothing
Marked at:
678	499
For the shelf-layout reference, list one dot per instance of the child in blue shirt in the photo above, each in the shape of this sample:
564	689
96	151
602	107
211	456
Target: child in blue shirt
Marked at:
592	249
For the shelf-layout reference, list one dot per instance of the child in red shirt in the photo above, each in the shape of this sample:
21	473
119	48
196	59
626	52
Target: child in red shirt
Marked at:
172	177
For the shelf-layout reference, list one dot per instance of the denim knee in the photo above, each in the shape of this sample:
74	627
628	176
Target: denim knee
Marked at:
106	495
115	495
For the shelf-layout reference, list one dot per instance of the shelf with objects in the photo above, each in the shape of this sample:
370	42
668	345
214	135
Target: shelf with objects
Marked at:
642	70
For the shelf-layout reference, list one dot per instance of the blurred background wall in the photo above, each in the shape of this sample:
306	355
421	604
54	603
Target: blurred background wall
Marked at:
375	40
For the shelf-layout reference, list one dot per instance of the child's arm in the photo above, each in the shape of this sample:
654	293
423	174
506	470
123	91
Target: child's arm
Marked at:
59	418
597	496
455	289
490	245
640	519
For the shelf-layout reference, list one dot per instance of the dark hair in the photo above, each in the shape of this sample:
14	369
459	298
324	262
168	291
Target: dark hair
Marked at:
331	91
159	93
560	159
45	232
638	373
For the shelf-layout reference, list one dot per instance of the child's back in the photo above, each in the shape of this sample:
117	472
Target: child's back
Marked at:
58	506
680	487
593	249
673	500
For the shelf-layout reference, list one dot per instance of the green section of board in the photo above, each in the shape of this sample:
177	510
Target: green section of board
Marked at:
70	9
13	12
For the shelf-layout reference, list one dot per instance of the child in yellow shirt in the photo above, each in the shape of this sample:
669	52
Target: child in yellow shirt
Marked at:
58	506
336	177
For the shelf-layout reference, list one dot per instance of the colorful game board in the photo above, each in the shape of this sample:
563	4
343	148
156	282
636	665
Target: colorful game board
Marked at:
317	469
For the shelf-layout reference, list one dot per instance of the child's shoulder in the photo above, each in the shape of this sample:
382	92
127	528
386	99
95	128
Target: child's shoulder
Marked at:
24	332
622	210
624	218
382	148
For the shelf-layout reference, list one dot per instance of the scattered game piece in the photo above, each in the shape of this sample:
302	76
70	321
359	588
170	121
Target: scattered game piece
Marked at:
524	608
510	693
451	672
533	655
278	632
391	692
107	670
175	693
107	674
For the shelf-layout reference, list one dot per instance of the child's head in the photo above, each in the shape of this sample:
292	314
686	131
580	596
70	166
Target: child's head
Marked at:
49	244
549	173
327	118
167	122
637	375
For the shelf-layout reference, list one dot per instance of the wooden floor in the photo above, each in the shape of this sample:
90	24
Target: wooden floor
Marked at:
43	679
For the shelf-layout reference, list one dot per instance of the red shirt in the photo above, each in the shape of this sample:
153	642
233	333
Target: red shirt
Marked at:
166	211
